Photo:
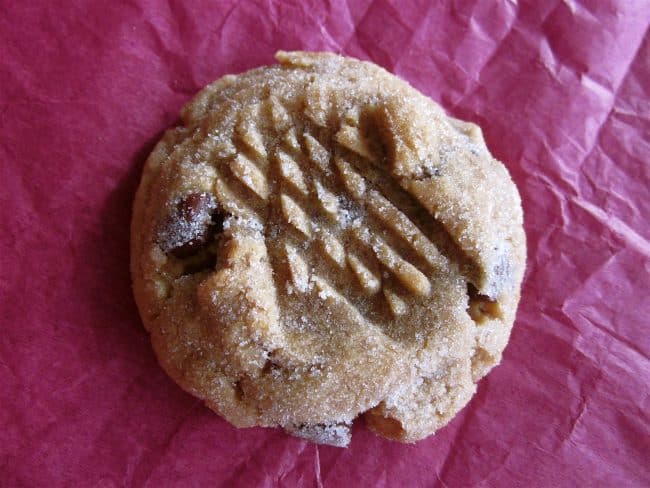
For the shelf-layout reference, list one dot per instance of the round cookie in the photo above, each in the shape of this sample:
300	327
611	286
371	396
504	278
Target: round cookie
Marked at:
318	241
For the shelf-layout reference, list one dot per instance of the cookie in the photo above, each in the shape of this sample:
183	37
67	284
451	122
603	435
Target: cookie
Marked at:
318	241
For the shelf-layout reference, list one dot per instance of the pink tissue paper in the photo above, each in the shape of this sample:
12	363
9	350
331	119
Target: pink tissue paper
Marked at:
561	90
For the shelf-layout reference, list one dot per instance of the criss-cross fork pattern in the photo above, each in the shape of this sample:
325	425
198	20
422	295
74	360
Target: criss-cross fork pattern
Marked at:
280	178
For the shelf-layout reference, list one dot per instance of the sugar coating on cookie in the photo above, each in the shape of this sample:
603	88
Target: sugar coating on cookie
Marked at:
317	242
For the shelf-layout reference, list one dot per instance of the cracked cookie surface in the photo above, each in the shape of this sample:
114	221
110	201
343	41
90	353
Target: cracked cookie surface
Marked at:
318	241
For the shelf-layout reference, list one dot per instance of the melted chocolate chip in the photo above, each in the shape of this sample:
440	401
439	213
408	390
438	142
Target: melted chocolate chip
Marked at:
191	225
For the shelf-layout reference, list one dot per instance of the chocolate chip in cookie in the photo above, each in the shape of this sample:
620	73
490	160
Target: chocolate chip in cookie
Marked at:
191	224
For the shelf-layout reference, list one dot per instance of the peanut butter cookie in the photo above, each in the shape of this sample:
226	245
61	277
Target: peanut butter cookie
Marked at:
318	241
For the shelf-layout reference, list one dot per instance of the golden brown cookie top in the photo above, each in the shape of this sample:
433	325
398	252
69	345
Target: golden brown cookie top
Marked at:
319	240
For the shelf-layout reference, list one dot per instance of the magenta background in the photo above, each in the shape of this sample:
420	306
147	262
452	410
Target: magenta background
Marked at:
561	91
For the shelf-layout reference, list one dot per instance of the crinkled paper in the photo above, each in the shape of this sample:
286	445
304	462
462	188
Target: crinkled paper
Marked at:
560	89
